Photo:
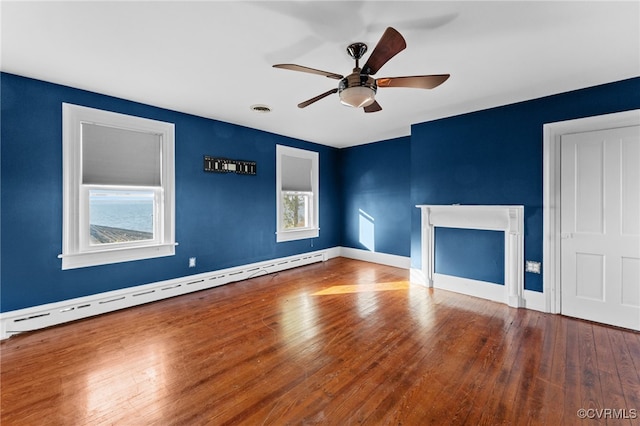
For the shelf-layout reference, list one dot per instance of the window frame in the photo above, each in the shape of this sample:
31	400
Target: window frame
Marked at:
77	252
313	228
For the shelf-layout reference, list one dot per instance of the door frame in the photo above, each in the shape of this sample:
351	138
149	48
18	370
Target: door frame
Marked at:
552	134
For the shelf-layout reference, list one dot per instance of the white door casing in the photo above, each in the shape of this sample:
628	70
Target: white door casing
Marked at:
551	192
600	226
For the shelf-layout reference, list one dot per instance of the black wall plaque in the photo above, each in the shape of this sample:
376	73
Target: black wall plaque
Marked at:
226	165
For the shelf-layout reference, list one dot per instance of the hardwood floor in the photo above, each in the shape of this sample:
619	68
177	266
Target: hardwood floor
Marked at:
337	343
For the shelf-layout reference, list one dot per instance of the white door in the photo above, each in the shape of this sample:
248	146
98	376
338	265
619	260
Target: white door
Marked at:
600	226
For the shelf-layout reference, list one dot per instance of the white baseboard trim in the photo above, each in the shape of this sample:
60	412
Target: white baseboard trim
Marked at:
37	317
535	300
374	257
416	276
475	288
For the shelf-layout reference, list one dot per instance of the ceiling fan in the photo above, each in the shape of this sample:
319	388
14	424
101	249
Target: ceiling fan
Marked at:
358	89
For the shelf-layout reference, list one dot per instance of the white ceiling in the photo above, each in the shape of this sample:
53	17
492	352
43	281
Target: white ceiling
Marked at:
213	59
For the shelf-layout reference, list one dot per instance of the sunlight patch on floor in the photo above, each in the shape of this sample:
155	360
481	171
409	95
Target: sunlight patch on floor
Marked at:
362	288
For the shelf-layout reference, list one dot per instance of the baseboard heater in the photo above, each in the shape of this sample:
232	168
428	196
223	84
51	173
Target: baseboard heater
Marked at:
37	317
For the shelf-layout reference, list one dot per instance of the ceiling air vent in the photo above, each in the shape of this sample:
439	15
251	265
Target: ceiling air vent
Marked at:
260	108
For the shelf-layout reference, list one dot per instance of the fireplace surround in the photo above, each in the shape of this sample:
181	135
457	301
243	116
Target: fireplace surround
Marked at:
508	219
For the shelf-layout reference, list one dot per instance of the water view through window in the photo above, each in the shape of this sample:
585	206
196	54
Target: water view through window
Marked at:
120	216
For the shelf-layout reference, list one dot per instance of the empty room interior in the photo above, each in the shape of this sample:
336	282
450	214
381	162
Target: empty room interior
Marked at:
320	212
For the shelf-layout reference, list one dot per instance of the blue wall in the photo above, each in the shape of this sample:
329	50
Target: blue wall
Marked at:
375	189
494	156
222	219
454	252
368	193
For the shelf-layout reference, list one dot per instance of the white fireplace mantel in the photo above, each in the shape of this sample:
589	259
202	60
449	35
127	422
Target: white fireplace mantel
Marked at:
508	219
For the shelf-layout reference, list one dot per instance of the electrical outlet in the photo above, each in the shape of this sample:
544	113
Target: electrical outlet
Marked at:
192	262
533	267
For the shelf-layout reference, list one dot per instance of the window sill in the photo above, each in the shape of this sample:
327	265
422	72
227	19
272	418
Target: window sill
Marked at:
104	257
297	234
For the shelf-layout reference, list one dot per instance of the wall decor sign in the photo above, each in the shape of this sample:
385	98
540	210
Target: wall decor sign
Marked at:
226	165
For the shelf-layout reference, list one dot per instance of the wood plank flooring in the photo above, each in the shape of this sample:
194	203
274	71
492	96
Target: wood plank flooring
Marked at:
342	342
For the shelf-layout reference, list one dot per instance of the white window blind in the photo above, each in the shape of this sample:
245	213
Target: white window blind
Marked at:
296	174
112	156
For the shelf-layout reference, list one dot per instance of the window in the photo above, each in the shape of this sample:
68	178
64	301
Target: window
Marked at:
113	210
118	183
297	193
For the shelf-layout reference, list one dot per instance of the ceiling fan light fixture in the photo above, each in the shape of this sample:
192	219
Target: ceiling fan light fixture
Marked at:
357	97
357	90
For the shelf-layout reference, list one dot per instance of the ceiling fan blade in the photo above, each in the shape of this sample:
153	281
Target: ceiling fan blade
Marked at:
391	43
294	67
418	81
374	107
317	98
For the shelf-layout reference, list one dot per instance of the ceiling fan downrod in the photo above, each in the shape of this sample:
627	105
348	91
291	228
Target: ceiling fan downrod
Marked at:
357	51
